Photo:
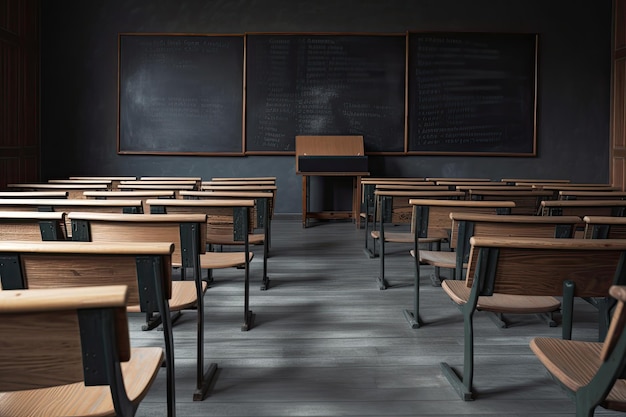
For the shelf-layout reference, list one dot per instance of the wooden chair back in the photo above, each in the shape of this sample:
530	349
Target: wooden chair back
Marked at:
74	191
541	266
67	205
605	227
33	194
142	195
75	341
582	208
228	220
466	225
33	225
432	217
527	202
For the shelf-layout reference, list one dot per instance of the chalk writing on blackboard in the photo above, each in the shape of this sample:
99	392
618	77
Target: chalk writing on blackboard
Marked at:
325	85
472	92
180	94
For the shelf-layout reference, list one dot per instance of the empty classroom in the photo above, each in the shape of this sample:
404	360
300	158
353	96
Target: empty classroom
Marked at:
143	108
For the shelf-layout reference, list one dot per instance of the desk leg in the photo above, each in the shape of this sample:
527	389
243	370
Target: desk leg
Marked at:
356	203
305	199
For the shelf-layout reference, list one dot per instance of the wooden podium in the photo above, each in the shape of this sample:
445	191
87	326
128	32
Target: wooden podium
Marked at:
331	156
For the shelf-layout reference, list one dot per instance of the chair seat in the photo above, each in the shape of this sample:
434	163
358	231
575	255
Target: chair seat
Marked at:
183	296
402	237
216	260
438	258
253	239
459	292
575	363
79	400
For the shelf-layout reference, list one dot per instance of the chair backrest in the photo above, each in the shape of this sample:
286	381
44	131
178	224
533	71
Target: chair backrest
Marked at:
605	227
591	195
583	208
527	202
432	217
67	205
186	231
55	337
546	266
466	225
229	221
392	206
616	329
33	194
263	209
142	195
32	225
73	190
38	265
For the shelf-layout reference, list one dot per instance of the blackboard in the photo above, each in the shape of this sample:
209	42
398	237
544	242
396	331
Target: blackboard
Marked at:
472	93
180	94
320	84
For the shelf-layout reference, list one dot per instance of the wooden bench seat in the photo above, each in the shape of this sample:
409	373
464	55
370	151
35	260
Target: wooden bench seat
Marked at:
531	267
590	373
67	331
145	268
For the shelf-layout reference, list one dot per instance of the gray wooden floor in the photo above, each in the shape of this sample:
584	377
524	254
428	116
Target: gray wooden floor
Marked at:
328	342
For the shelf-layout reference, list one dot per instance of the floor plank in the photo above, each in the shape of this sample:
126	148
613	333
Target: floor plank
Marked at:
328	342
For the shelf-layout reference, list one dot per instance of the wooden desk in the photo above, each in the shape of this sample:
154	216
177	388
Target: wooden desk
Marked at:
354	213
331	151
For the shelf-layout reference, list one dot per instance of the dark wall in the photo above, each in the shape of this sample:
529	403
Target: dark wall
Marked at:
79	81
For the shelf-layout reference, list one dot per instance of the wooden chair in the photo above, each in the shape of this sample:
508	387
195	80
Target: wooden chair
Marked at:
32	225
431	217
67	352
145	268
188	233
396	210
532	267
260	232
591	373
228	223
466	224
370	205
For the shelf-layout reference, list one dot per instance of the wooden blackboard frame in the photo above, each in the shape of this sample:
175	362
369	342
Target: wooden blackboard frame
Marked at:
382	66
501	51
238	143
195	116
